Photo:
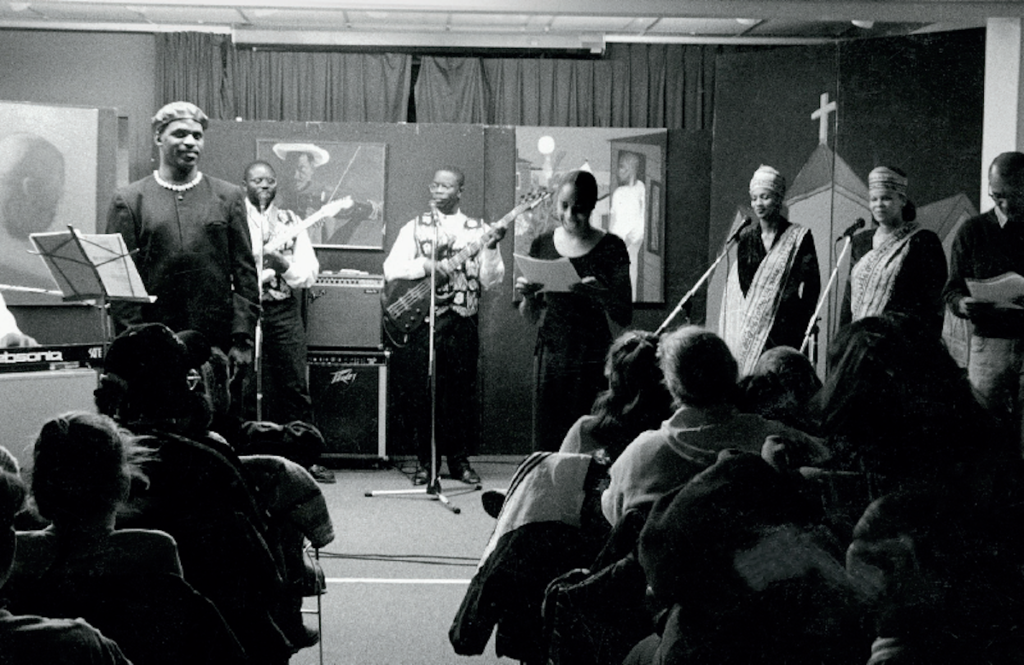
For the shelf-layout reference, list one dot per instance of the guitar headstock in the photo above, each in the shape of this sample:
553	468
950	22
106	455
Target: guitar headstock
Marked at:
533	198
332	208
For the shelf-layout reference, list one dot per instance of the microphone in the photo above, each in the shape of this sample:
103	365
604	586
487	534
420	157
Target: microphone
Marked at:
264	197
856	226
736	234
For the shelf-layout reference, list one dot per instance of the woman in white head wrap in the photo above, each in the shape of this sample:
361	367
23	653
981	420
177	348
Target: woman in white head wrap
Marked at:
897	266
777	271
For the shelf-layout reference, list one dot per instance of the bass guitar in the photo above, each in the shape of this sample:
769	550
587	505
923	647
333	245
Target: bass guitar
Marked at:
406	302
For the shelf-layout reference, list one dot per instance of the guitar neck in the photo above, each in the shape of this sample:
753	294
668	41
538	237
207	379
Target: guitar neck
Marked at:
279	241
474	247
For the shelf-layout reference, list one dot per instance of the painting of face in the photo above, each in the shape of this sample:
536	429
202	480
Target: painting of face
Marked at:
311	172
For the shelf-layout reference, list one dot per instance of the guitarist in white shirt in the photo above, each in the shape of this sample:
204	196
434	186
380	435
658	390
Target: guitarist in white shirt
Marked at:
456	342
283	271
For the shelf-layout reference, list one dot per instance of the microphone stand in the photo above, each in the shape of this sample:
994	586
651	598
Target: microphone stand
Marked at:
700	282
257	357
433	487
813	323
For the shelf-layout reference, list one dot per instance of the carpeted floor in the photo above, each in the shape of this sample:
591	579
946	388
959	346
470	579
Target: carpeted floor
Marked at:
398	568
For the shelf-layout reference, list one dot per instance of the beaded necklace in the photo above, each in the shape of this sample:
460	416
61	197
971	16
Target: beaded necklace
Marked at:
178	188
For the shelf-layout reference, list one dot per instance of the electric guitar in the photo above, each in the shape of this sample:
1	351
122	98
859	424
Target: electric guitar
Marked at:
330	209
289	232
406	302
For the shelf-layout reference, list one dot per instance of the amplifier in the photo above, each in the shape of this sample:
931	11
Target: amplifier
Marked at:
344	312
349	394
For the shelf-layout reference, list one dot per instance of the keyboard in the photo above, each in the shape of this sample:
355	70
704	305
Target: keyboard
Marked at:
42	358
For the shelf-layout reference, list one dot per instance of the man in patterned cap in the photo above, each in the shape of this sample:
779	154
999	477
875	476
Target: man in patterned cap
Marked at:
777	275
191	241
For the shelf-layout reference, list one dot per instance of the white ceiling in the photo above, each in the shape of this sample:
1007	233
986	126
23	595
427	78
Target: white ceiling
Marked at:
510	24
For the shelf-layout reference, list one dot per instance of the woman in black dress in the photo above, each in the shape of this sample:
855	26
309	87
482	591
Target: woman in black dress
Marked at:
574	327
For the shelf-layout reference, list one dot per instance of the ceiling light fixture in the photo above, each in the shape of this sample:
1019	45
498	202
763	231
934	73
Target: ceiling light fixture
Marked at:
866	25
748	21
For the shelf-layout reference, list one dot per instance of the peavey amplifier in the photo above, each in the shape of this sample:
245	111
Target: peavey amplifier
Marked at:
349	391
344	312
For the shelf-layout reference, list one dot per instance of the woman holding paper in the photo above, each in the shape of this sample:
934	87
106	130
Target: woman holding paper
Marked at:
574	326
898	266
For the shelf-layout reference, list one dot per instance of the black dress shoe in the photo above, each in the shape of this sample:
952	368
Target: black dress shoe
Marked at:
468	476
421	476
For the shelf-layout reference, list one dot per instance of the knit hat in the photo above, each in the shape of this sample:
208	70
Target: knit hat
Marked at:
152	360
178	111
886	179
766	177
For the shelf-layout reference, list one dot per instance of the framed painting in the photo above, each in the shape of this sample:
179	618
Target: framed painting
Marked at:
629	166
314	173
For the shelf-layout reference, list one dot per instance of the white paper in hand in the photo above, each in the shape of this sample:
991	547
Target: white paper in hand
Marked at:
557	275
1004	290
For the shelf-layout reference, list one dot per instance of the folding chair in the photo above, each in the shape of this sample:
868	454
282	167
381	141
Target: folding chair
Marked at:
319	586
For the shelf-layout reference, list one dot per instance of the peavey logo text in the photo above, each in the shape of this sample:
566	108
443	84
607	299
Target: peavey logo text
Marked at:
29	356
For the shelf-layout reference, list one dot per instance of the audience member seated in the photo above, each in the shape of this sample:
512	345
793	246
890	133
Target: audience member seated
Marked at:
34	640
943	575
635	400
28	518
197	491
80	476
746	574
126	582
897	411
701	375
780	387
550	523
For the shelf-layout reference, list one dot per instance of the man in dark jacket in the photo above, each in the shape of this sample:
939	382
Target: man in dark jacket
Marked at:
191	242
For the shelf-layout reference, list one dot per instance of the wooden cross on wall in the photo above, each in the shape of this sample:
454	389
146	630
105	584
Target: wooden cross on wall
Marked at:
821	115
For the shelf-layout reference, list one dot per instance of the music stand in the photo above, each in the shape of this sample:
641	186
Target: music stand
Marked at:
91	267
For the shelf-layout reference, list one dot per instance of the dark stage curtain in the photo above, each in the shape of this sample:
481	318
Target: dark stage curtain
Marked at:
190	66
327	87
228	82
635	85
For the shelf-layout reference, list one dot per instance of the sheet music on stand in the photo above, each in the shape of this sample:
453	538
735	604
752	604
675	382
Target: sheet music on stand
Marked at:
91	266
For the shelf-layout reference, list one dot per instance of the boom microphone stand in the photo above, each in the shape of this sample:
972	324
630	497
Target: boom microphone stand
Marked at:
433	487
700	282
813	323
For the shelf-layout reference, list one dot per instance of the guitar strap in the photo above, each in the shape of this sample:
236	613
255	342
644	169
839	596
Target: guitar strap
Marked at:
461	292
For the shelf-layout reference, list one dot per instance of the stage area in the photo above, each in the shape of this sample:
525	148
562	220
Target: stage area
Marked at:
399	567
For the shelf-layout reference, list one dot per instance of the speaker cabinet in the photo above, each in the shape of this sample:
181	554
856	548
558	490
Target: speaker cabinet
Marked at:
344	312
29	399
349	393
